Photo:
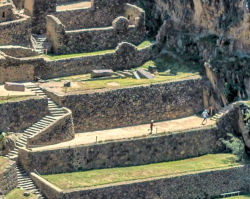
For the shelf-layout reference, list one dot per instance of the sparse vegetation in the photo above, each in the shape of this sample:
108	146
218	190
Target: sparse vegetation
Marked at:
56	57
14	98
114	175
17	194
178	71
236	146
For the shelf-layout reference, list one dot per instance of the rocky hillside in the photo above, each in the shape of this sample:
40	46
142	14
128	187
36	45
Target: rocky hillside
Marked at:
215	32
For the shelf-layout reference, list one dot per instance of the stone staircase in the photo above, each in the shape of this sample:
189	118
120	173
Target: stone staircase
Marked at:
223	111
26	183
40	41
24	180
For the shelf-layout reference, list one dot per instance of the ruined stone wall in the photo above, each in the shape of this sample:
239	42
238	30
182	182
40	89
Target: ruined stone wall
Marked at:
204	184
26	69
61	130
88	17
19	4
6	13
17	32
132	152
38	10
8	178
66	1
136	105
125	57
16	116
55	32
15	69
89	40
18	51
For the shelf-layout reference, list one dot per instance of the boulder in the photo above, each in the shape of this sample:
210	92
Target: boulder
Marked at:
102	73
10	86
144	74
152	69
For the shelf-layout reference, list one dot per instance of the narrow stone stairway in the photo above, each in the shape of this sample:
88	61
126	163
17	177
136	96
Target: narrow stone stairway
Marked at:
24	180
26	183
40	40
221	113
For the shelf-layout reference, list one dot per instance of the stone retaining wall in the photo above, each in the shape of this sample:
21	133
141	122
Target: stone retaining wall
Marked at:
132	152
134	105
8	178
17	32
61	130
18	51
16	116
95	39
88	17
205	184
25	69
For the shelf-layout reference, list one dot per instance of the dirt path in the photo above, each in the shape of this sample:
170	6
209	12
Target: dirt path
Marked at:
130	132
73	5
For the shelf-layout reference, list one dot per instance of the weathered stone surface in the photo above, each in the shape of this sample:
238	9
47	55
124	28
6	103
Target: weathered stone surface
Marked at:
134	106
15	116
10	86
101	73
152	69
170	147
90	40
61	130
135	75
67	84
120	24
8	178
27	69
144	74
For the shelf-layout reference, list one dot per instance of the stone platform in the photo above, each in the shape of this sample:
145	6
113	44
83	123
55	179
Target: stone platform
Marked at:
176	125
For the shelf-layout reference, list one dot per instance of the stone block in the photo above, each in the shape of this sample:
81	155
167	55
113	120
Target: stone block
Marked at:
152	69
102	73
135	75
127	74
10	86
144	74
67	84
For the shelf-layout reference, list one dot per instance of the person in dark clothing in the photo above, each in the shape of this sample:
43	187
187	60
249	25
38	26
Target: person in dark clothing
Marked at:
151	126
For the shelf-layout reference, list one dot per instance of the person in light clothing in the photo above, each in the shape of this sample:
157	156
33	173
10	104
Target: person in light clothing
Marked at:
204	115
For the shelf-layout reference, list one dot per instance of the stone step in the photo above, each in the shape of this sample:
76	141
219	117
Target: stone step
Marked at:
21	144
47	119
44	123
12	153
38	126
34	128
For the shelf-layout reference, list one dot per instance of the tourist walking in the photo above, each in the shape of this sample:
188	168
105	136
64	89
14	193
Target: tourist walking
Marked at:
204	115
151	126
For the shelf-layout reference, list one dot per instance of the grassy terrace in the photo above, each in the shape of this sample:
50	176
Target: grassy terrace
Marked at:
178	70
115	175
17	194
14	98
56	57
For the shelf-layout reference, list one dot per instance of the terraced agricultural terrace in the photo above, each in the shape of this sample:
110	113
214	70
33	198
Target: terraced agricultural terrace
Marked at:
124	99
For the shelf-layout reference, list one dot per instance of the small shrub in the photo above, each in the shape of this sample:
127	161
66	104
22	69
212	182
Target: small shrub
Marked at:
236	146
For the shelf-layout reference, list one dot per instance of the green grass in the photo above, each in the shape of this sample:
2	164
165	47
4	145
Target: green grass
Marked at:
114	175
3	163
179	71
56	57
239	197
14	98
17	194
